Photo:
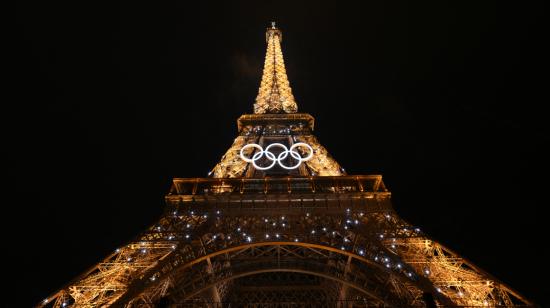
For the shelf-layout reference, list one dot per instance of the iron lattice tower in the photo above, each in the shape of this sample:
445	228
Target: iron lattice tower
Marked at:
302	233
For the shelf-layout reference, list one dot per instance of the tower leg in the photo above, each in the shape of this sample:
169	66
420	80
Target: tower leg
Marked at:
214	294
342	298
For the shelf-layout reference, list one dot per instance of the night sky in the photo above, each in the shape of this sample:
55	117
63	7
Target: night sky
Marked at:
107	103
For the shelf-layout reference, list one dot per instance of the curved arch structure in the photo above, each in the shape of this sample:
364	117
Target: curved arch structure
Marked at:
348	269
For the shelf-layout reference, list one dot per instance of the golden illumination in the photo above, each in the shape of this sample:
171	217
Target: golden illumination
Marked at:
231	164
275	94
322	163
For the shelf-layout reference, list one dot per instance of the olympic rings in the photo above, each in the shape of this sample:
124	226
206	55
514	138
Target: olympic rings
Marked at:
276	159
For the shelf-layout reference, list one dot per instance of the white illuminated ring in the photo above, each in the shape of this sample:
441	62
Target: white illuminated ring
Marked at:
280	158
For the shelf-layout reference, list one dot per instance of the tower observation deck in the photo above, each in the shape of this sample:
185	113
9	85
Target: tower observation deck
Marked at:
279	223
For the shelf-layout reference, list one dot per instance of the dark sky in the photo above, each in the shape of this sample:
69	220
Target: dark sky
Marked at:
107	103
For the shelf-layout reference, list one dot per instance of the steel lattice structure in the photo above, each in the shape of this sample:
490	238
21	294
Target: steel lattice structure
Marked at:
312	236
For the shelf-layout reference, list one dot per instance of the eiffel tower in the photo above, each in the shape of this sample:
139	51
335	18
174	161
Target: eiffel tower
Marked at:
279	223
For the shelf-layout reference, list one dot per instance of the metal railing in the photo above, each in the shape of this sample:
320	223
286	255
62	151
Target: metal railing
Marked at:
277	185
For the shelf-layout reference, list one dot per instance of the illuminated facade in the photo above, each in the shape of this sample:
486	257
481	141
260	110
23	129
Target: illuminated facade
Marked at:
279	223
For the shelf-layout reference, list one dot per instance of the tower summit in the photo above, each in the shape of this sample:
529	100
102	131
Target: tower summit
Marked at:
278	223
275	94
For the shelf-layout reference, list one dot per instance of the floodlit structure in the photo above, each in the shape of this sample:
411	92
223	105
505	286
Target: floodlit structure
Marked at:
279	223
